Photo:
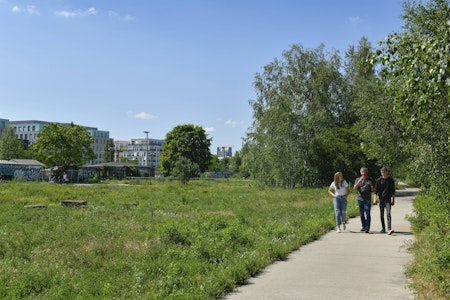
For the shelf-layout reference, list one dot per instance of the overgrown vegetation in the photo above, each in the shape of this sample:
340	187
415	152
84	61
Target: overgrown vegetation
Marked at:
377	106
159	240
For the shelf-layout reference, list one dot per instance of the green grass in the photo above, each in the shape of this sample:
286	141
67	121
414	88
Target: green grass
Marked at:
150	240
429	273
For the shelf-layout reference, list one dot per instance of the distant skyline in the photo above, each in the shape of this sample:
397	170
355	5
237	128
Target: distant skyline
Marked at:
133	66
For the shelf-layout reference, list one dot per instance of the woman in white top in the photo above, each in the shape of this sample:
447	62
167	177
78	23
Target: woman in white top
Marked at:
339	190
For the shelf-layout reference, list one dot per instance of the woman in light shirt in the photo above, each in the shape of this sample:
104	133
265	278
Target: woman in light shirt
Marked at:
339	190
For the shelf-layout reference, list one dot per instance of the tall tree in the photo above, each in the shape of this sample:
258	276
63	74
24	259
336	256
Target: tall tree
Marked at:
187	141
59	145
378	128
298	99
10	146
416	66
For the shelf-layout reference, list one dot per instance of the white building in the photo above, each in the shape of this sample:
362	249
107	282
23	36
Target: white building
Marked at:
146	154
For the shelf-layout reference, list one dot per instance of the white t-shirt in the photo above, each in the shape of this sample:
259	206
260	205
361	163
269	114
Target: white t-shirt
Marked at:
340	191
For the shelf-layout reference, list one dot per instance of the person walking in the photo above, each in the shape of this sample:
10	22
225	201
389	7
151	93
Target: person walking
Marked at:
365	186
339	190
384	193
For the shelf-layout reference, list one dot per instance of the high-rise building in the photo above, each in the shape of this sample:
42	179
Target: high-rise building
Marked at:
224	151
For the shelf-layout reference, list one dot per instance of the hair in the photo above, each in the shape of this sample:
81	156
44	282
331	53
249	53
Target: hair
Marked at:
384	169
364	168
336	179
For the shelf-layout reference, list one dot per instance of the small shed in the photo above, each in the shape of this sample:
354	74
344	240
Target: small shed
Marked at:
26	169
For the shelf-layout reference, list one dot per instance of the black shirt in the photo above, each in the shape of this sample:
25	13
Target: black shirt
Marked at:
385	187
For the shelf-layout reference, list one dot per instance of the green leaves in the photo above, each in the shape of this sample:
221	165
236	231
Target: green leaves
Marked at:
416	69
299	97
10	146
187	141
59	145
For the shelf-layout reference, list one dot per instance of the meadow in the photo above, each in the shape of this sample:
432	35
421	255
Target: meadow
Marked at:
150	239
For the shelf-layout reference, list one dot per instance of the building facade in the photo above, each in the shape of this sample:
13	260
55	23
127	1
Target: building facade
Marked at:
224	151
28	130
3	125
144	151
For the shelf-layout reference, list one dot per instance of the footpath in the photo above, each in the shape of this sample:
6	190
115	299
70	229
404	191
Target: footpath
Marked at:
347	265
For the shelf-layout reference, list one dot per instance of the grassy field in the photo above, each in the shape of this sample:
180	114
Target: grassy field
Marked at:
150	240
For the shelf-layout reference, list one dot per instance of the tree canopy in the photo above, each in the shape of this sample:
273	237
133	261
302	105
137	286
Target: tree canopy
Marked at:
60	145
188	141
416	69
301	101
10	146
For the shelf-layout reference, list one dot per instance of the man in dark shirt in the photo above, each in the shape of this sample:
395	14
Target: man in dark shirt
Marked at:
365	186
385	190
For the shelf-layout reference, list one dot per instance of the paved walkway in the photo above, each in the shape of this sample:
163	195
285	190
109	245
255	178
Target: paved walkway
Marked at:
347	265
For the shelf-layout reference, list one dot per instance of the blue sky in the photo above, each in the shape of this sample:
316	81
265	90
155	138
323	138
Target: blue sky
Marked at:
131	66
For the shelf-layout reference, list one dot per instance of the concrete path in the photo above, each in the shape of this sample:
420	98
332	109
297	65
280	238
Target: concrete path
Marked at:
347	265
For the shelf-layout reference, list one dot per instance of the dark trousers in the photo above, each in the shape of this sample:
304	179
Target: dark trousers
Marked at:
385	204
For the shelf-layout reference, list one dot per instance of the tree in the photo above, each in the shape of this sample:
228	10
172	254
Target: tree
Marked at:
298	99
10	146
380	133
184	169
416	68
108	154
187	141
59	145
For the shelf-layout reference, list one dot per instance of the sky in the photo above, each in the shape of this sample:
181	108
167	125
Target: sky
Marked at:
149	65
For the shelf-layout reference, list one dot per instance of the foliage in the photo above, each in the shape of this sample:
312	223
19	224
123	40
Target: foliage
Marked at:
339	150
10	146
185	169
108	154
160	241
307	91
188	141
379	131
59	145
416	72
416	67
430	272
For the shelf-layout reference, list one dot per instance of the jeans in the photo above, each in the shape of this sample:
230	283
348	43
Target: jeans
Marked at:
385	203
340	209
364	212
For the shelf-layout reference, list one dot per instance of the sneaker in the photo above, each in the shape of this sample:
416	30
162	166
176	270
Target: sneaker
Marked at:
390	232
367	229
338	230
383	231
362	229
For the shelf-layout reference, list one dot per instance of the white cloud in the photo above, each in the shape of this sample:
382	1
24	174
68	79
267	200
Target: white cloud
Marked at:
144	116
129	18
209	129
30	9
115	15
232	123
354	20
76	13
